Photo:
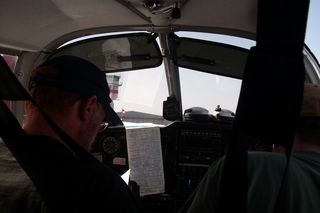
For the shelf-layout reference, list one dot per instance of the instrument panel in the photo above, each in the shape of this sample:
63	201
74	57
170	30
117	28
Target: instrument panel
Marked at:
188	149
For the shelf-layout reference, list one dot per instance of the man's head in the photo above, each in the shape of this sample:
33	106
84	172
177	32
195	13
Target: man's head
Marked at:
307	135
74	77
309	122
311	101
310	109
75	94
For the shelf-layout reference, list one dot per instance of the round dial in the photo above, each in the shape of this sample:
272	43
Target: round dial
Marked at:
110	145
171	110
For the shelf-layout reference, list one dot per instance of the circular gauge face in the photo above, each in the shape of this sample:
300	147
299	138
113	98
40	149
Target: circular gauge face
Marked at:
171	110
110	145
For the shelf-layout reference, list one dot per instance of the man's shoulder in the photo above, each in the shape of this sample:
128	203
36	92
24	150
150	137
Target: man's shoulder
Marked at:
266	161
36	144
28	140
276	157
264	155
271	158
254	156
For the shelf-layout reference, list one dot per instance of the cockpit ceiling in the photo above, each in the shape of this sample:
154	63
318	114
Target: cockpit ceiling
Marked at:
31	25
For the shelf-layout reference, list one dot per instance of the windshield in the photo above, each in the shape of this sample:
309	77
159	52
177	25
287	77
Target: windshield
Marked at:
208	91
138	95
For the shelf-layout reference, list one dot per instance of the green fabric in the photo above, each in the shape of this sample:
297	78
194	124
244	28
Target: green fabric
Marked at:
265	172
17	192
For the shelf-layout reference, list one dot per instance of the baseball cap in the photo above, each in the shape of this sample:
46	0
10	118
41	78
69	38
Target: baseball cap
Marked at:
80	77
311	101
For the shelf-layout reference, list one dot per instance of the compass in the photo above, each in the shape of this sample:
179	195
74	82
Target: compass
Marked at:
171	109
110	145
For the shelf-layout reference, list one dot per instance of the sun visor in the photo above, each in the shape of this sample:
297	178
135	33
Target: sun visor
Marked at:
116	53
210	57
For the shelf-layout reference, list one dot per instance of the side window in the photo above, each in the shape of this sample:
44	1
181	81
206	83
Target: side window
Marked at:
11	61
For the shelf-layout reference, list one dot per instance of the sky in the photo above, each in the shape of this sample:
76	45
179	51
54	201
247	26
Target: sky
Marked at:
312	38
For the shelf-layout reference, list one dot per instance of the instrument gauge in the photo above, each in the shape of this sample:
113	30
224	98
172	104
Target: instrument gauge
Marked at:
110	145
171	109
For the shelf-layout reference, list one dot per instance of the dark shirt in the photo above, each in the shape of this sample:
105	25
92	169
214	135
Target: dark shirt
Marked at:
17	192
70	184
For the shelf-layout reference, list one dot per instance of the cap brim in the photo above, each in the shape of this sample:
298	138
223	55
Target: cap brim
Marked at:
112	117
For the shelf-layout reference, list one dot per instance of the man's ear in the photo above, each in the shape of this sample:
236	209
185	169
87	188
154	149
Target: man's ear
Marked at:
87	108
